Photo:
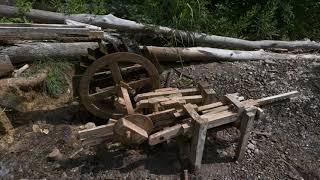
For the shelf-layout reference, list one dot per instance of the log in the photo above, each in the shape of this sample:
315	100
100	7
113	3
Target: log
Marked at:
5	65
112	22
21	53
170	54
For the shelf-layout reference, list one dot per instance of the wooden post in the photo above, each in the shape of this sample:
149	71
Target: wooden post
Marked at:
200	126
208	94
247	118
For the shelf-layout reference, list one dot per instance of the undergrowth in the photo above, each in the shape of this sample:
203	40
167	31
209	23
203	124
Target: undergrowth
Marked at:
56	82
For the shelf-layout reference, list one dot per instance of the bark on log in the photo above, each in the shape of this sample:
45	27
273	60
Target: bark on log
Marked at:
110	21
34	51
5	65
167	54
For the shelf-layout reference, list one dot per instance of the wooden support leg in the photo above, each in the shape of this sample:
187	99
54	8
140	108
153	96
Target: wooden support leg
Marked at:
208	94
245	129
200	126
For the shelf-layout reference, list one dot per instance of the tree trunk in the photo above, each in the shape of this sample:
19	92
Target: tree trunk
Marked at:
111	22
167	54
6	66
35	51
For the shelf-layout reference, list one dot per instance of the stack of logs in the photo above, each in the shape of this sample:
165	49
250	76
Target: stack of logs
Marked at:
184	114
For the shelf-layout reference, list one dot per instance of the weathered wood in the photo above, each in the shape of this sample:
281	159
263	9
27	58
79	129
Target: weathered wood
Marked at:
25	81
166	134
199	128
245	129
6	66
126	98
129	133
5	122
166	92
166	101
97	132
70	22
49	33
204	54
279	97
18	72
20	53
208	94
111	22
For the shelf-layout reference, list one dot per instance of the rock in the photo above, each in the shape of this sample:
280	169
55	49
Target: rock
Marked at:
90	125
251	146
36	128
256	151
254	142
55	155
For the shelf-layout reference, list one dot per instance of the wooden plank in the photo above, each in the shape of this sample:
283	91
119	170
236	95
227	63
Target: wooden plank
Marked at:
166	134
245	128
210	106
99	131
199	128
220	118
127	101
166	101
279	97
184	92
70	22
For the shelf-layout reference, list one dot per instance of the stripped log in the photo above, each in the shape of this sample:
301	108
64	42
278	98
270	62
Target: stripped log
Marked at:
112	22
20	53
170	54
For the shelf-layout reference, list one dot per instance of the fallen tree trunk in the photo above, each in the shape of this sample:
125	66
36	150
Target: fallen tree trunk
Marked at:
110	21
34	51
167	54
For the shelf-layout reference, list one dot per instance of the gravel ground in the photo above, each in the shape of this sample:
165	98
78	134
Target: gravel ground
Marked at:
284	145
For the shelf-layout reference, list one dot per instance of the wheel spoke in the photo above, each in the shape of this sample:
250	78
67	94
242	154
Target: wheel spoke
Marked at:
116	72
104	92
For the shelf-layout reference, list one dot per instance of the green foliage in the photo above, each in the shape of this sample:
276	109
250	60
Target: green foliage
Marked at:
250	19
24	5
56	81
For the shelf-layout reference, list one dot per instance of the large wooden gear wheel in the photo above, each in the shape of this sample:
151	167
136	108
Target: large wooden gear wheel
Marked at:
102	81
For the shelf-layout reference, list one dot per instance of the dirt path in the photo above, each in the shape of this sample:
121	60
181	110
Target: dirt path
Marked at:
285	145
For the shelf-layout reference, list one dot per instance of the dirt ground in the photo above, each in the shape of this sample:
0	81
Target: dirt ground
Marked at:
284	145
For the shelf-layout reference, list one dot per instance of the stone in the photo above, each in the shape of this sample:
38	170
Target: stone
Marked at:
90	125
251	146
256	151
55	155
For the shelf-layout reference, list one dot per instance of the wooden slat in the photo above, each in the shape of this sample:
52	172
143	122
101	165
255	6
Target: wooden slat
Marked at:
99	131
220	118
184	92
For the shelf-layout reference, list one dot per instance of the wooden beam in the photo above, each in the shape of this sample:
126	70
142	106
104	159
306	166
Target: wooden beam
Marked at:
164	92
99	131
245	129
199	128
49	33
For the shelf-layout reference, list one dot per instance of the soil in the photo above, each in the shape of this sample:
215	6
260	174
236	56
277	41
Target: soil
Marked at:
284	145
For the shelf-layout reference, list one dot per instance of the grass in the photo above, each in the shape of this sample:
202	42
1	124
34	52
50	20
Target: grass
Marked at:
56	81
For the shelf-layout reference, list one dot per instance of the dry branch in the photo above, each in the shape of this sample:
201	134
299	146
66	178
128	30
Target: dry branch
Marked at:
24	81
111	22
34	51
168	54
